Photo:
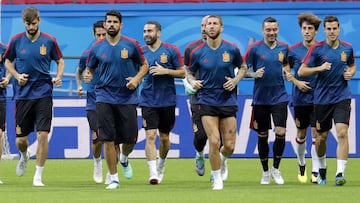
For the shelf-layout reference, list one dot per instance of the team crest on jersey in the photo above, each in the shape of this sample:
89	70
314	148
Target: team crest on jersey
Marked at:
226	57
42	50
124	53
281	56
343	56
163	58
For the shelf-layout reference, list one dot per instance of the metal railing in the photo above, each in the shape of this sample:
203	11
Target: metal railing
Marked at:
69	87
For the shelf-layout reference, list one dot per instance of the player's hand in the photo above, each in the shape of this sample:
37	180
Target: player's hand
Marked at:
22	79
288	76
4	82
87	76
196	84
80	91
57	81
260	72
347	75
158	70
325	66
132	83
303	86
230	84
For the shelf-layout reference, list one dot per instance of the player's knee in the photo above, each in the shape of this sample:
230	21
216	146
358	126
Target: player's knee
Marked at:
229	146
263	134
342	134
280	131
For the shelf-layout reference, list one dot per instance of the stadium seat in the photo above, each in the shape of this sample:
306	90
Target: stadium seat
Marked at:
312	0
95	1
17	1
249	0
5	2
40	1
157	1
65	1
219	1
281	0
189	1
127	1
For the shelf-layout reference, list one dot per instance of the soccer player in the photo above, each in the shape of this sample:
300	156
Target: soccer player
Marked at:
214	63
122	66
3	84
333	62
33	51
200	137
303	95
165	64
267	60
99	34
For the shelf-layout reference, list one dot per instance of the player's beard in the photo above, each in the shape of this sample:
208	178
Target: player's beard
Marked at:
151	40
112	32
213	36
32	32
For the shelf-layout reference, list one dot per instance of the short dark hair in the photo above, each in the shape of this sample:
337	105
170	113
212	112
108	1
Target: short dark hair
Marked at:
98	24
269	20
115	13
216	16
29	14
153	22
329	19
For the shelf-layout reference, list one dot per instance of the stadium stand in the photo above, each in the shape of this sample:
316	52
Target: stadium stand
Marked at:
127	1
13	1
40	1
152	1
249	0
189	1
95	1
157	1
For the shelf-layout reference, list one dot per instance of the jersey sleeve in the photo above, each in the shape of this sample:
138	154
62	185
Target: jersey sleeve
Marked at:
177	59
82	60
249	57
55	53
238	61
92	62
10	52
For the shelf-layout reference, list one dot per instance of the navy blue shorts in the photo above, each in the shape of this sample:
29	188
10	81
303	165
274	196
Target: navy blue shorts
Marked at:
325	114
218	111
2	115
36	112
261	116
304	116
162	118
117	122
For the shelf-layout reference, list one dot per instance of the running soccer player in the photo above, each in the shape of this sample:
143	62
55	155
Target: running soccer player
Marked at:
33	52
267	62
200	137
214	63
122	66
333	62
165	64
99	33
303	95
4	81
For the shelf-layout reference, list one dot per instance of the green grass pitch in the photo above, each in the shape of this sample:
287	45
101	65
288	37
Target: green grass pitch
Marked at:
70	181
